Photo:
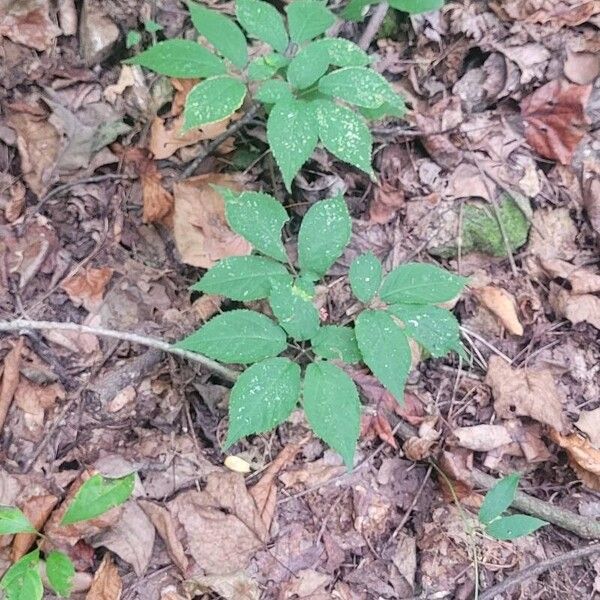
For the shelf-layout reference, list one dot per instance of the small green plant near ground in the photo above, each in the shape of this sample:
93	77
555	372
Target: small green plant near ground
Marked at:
306	85
496	502
356	9
396	307
22	581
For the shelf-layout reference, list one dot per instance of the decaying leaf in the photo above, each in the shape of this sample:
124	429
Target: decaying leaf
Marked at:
503	305
37	509
10	379
87	288
107	583
419	448
16	202
558	13
577	308
589	423
582	279
482	438
583	457
27	22
233	586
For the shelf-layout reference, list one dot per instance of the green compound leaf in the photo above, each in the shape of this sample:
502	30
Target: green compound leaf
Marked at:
292	135
262	21
243	278
307	19
212	100
385	110
263	396
221	32
342	52
273	91
416	6
60	572
324	233
354	9
344	133
514	526
22	581
385	350
258	218
179	58
336	342
98	495
414	283
359	86
12	520
237	336
308	66
265	67
436	329
295	313
365	276
499	498
332	408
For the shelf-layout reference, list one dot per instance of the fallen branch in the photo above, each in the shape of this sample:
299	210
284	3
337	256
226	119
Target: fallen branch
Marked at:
373	25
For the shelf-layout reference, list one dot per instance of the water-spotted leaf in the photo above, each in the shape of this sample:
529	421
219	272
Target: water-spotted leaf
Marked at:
324	233
307	19
344	133
179	58
212	100
416	6
263	396
365	276
513	526
273	91
336	342
12	520
22	581
436	329
343	52
308	66
221	32
60	572
294	311
237	336
332	408
415	283
98	495
265	67
262	20
384	349
499	498
355	9
243	278
292	135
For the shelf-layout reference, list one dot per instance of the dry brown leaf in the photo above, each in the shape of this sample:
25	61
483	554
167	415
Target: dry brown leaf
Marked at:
419	448
233	586
37	509
553	234
555	119
79	343
582	280
124	398
10	379
577	308
525	393
207	306
308	584
315	473
87	288
126	79
202	235
581	67
589	423
583	457
27	22
503	305
482	438
558	13
107	583
16	202
182	89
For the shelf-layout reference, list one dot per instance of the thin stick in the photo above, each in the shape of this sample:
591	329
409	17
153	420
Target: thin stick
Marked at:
373	25
535	570
211	365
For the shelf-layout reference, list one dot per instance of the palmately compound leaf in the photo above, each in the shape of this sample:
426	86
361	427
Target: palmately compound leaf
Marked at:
273	91
414	7
324	233
355	9
98	495
12	520
344	133
499	498
212	100
513	526
258	218
436	329
60	572
332	408
243	278
307	19
308	66
22	581
384	349
336	342
263	397
295	313
262	20
238	336
292	136
415	283
221	32
179	58
365	276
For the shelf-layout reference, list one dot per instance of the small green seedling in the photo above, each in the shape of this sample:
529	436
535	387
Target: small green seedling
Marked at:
496	502
396	307
307	83
356	9
22	581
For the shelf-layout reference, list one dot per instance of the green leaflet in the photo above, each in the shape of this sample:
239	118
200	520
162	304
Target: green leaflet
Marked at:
416	6
22	581
262	21
307	19
179	58
499	498
414	283
354	9
324	233
98	495
263	396
297	315
365	276
385	350
237	336
212	100
292	135
264	67
12	520
342	52
243	278
513	526
336	342
60	572
307	66
221	32
273	91
332	408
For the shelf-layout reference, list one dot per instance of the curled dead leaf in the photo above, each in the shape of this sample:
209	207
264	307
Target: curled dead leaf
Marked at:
503	305
589	423
482	438
583	457
419	448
